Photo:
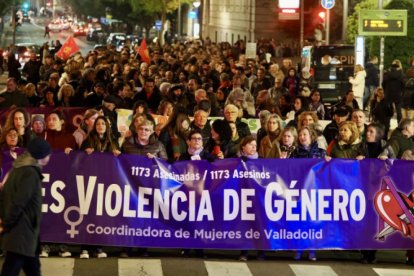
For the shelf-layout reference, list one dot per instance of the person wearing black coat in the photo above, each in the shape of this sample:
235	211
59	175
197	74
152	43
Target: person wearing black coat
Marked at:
31	69
21	210
394	85
381	110
13	66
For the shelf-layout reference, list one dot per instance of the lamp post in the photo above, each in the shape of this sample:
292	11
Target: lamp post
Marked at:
196	5
179	20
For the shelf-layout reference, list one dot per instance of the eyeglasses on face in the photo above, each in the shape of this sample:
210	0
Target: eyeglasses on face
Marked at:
196	138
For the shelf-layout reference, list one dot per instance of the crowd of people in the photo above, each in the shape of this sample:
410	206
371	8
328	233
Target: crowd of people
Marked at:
193	82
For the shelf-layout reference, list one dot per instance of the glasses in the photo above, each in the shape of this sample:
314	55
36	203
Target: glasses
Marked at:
196	138
145	129
231	112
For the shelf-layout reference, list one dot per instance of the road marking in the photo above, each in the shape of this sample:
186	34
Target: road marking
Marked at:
65	266
139	267
310	270
393	272
227	269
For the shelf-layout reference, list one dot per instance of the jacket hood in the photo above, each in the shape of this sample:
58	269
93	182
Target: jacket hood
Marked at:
25	160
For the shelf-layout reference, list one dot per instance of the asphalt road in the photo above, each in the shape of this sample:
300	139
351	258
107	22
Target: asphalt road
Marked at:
218	263
33	33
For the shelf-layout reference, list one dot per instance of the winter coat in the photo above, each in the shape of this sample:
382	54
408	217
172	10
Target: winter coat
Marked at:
312	152
154	147
21	207
393	84
204	155
17	98
381	112
372	78
372	150
229	148
397	144
343	150
358	85
242	128
269	148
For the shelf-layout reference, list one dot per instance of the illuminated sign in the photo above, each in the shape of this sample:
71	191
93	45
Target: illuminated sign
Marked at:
289	4
387	25
383	23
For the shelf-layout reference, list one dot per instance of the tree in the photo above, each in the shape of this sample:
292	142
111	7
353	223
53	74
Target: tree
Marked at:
398	47
352	24
153	10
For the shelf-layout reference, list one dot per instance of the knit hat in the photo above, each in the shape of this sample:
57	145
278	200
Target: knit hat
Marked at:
40	118
39	148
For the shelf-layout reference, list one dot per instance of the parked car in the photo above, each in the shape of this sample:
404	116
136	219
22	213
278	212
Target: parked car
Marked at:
96	35
80	30
116	38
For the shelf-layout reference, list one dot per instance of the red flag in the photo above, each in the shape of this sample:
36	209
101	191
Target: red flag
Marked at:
68	49
143	52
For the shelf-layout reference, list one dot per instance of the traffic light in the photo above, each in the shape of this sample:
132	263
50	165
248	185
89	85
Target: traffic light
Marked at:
322	18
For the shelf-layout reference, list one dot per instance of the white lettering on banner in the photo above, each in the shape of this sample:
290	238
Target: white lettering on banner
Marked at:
85	198
280	202
125	230
320	204
54	191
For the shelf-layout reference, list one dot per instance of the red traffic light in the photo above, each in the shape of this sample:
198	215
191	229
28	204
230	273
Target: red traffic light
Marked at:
322	15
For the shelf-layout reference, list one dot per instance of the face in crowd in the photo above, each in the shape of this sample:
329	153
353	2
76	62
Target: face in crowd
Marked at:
195	142
288	138
250	148
304	137
200	118
53	122
144	132
231	113
100	126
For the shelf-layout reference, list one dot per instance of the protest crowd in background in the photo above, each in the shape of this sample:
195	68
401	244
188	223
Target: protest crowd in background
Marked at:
187	102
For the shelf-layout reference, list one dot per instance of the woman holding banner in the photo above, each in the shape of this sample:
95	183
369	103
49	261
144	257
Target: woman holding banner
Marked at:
269	145
100	138
248	151
307	148
348	143
220	144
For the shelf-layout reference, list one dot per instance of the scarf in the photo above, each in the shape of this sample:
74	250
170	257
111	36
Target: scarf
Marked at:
192	151
252	156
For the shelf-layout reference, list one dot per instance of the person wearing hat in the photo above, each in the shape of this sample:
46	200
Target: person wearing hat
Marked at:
340	115
21	209
39	125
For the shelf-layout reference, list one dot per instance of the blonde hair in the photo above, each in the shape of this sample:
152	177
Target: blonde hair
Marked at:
307	113
353	128
397	62
359	68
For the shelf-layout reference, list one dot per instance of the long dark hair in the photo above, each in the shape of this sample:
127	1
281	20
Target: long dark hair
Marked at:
105	144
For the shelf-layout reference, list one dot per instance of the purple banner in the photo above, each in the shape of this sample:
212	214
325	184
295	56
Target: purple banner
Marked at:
229	204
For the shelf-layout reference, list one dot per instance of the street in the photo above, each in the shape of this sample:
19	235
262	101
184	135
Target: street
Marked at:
225	263
33	33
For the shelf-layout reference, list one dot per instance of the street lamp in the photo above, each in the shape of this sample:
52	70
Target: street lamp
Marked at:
196	25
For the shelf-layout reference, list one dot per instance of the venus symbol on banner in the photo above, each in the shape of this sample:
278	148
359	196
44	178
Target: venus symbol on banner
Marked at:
73	223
